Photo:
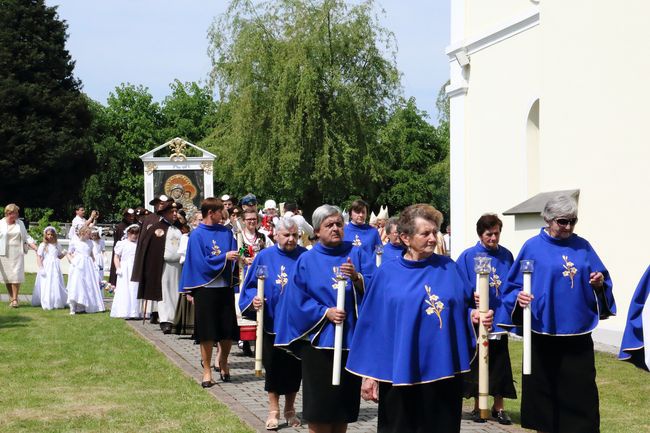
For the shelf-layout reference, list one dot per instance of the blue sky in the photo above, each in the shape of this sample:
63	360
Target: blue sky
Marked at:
153	42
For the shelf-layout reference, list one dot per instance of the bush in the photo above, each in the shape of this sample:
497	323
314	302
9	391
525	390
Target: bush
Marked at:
37	231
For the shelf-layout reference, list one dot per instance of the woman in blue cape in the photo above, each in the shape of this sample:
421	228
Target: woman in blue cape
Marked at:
283	371
208	275
393	248
306	318
488	228
362	235
571	291
414	337
637	329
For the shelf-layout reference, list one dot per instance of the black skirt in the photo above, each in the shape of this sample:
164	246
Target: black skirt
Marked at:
429	407
501	380
283	372
560	396
322	401
215	316
184	317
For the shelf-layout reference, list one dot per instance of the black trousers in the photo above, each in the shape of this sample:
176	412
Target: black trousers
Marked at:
560	396
425	408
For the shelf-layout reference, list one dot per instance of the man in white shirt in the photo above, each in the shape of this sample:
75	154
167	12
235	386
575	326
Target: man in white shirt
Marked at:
80	221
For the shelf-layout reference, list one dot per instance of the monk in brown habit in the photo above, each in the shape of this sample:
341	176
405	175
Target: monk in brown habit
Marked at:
157	265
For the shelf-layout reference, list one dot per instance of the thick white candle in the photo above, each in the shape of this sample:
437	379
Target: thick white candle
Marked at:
527	332
378	259
260	329
338	333
483	357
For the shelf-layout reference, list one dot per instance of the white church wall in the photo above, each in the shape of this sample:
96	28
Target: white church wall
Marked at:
594	110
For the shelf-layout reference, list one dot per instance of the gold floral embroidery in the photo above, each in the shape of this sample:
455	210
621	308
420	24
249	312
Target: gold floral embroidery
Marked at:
356	242
435	305
569	269
215	248
495	280
282	279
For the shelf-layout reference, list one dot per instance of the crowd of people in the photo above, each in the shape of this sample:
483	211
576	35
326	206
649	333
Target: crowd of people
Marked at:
409	318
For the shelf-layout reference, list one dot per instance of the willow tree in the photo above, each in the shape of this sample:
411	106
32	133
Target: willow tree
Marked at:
304	87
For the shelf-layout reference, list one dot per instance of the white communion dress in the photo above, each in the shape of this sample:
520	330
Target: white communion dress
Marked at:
83	287
125	303
49	290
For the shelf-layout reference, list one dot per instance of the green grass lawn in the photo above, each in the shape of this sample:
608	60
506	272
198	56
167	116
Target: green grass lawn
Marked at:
90	373
624	392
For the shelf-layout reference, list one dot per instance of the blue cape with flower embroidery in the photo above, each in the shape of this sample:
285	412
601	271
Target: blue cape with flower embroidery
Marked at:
391	252
565	303
637	330
415	324
501	262
205	259
366	238
311	291
280	266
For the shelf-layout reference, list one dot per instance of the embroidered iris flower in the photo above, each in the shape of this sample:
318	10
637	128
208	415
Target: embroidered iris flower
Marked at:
215	248
282	279
495	280
569	269
356	242
435	304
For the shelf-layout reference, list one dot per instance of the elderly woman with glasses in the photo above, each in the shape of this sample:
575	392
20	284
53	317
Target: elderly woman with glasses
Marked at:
306	318
571	291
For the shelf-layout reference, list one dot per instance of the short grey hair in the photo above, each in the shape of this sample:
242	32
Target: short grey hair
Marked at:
560	206
323	212
391	225
285	223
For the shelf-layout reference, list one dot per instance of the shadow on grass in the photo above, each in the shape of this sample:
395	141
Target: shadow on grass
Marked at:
13	321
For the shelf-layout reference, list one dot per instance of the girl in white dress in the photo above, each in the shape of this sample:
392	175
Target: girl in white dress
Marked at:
125	303
83	289
98	253
49	290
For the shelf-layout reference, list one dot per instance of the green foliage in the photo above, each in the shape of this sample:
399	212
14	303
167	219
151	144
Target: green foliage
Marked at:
44	221
189	112
418	165
127	127
132	124
304	89
44	118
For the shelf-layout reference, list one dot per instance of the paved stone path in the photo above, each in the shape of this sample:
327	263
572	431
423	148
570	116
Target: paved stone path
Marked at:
245	395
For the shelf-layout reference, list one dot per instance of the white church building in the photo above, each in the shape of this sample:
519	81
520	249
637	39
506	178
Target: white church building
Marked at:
550	96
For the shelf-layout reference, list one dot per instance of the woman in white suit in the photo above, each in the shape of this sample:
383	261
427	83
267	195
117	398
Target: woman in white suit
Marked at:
14	244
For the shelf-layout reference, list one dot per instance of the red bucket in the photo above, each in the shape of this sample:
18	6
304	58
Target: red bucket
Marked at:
247	333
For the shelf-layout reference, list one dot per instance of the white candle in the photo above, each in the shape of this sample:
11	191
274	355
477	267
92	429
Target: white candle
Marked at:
260	329
378	259
527	329
483	342
338	333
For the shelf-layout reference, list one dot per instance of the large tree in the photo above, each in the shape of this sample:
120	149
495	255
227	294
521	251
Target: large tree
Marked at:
189	112
131	124
44	118
418	171
304	88
127	127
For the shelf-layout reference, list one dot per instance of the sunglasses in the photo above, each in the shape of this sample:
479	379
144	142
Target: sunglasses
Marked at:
566	221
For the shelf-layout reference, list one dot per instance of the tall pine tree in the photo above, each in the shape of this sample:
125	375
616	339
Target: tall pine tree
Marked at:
44	117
